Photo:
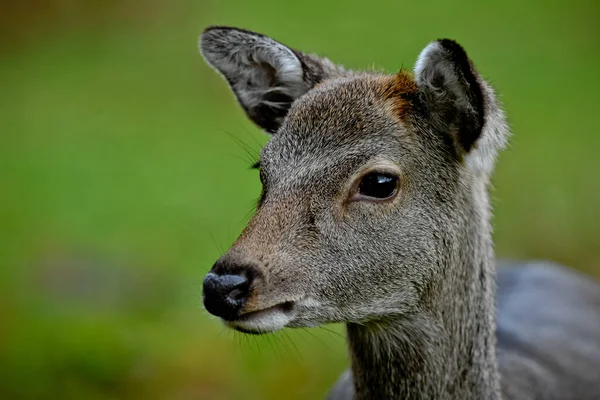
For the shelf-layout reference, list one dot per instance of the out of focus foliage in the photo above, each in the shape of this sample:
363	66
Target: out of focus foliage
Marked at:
123	178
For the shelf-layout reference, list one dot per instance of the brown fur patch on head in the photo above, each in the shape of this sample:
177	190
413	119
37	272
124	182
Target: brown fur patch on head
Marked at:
399	90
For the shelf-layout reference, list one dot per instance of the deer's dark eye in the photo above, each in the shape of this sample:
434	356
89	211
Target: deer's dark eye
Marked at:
378	185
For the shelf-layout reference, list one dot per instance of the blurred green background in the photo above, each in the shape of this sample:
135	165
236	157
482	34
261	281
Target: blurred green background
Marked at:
124	175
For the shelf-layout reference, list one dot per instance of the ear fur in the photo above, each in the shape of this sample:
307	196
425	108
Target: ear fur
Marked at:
265	75
461	104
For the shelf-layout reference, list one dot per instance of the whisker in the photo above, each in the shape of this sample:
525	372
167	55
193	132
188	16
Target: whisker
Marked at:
251	153
316	337
292	343
219	248
333	332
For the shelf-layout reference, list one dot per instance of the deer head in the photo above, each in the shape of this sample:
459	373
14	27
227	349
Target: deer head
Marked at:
374	185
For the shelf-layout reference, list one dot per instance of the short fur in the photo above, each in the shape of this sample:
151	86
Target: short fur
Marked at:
413	277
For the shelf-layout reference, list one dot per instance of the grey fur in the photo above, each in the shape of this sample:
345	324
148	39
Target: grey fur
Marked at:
412	277
265	75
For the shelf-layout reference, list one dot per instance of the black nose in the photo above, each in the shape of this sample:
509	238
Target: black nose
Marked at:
225	295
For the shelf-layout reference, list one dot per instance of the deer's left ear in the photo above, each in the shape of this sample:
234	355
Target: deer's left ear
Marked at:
452	92
461	104
265	75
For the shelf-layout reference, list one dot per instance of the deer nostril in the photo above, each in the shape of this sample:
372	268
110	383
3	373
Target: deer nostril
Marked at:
225	295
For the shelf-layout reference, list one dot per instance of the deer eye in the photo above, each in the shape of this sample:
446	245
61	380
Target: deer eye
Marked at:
378	185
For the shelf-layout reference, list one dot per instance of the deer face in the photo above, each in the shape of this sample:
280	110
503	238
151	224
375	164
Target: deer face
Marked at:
367	183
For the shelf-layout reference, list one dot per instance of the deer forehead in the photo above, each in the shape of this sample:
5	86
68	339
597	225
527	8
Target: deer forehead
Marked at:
352	101
343	120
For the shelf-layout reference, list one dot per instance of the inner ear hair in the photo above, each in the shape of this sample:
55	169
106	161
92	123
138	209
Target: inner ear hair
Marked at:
265	75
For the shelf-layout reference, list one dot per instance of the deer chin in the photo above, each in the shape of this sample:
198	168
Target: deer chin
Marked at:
264	321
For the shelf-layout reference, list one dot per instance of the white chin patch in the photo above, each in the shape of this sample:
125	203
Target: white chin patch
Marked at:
264	321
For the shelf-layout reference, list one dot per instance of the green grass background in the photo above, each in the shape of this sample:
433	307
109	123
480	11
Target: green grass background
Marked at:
122	178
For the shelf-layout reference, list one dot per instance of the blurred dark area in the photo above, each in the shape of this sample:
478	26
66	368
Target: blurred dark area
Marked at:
124	168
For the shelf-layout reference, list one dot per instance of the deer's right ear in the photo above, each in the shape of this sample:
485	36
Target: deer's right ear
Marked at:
265	75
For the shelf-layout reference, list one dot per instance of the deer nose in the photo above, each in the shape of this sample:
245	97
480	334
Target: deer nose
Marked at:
225	295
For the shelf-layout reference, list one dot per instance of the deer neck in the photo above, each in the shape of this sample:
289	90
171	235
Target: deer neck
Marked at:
444	351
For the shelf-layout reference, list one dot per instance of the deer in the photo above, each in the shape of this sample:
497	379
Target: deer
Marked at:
375	213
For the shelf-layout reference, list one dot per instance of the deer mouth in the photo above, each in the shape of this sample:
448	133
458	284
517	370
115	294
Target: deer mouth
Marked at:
264	321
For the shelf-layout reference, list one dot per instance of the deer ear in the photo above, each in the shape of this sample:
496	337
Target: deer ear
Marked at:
451	88
265	75
461	104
